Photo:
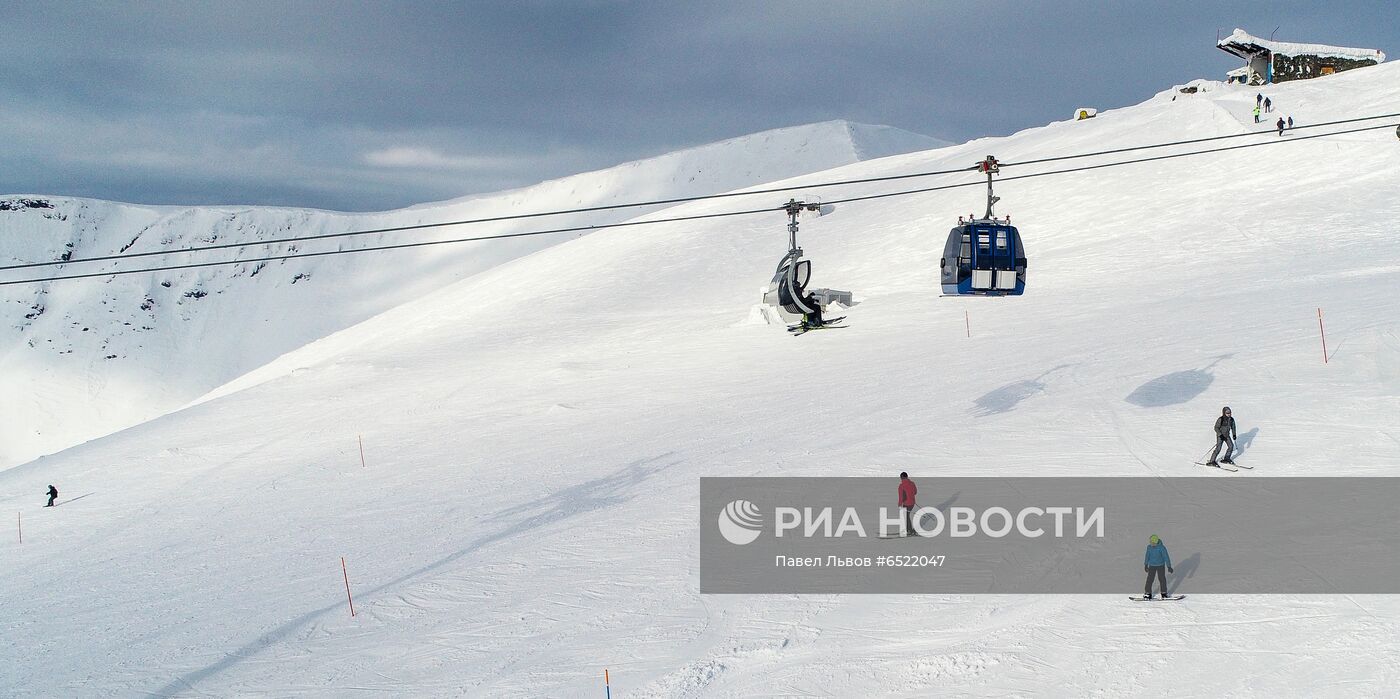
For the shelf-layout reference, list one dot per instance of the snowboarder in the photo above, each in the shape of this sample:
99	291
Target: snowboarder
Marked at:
1256	115
53	495
1156	563
907	491
1268	105
1280	126
1224	434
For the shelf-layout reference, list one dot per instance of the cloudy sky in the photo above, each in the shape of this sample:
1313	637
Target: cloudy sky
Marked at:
375	105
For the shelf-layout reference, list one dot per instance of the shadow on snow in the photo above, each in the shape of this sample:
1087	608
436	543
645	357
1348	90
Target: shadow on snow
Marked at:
574	501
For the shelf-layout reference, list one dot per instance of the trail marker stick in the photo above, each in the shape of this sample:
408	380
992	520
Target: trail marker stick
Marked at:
1324	335
346	573
362	450
19	523
607	684
968	322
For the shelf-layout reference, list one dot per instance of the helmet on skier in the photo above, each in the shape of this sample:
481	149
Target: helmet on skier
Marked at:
1153	540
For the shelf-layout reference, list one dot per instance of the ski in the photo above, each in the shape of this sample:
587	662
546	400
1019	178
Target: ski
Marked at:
826	323
799	329
1169	598
1222	467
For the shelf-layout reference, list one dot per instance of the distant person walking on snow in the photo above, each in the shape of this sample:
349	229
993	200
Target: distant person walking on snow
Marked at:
1268	105
1290	122
1156	563
1256	115
907	491
53	495
1258	98
1280	126
1224	434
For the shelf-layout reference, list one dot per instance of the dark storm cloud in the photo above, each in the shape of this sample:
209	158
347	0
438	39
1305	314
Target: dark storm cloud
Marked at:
374	105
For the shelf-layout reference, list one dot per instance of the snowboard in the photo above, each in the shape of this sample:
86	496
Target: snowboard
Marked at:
1169	598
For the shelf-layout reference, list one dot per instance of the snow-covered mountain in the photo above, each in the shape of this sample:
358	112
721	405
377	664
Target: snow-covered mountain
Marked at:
525	516
85	358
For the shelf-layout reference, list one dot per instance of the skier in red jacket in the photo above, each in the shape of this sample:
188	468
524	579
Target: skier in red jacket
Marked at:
907	491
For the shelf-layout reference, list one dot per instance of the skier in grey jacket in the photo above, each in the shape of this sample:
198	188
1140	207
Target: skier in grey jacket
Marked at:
1224	434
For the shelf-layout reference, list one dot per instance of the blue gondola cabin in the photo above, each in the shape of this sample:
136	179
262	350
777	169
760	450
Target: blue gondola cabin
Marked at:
984	257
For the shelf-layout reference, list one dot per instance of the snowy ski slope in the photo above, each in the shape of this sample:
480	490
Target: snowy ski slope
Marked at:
533	438
84	360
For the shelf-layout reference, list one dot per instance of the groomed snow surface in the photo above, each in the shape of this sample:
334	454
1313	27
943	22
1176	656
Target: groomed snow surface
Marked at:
533	438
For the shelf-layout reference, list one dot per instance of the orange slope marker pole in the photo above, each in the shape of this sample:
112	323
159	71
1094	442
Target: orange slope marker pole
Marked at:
607	685
346	573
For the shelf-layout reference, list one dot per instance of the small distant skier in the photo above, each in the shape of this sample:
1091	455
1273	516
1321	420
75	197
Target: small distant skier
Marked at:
1280	126
1256	115
1268	105
1290	122
1156	563
1258	98
907	491
53	495
1224	435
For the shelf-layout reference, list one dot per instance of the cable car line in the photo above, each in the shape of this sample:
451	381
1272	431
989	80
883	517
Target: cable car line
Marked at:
491	219
1207	139
395	246
1115	163
676	200
522	234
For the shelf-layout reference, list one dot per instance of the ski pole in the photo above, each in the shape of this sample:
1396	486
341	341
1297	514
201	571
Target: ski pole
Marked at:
1203	454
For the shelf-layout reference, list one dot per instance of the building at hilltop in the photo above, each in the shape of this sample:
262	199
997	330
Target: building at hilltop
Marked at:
1268	61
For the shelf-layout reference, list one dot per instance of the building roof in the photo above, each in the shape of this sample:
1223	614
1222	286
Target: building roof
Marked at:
1244	45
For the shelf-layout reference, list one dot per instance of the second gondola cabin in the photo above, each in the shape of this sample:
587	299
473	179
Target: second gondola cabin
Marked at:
984	257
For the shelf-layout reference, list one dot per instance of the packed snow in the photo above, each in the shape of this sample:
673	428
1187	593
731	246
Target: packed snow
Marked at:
525	515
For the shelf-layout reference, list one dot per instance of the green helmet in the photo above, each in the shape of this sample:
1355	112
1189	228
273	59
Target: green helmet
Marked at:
1153	539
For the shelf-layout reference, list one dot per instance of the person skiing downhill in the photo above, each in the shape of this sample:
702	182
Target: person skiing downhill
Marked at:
907	491
1224	434
1256	115
1156	563
1280	126
53	495
1268	105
